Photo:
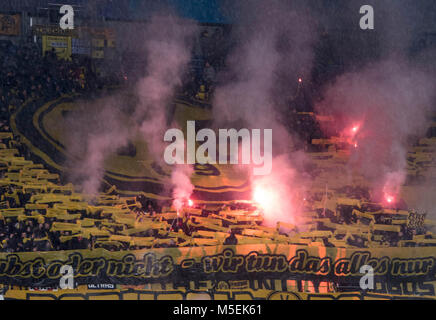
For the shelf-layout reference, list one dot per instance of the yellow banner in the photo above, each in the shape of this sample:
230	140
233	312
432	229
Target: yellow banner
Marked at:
402	271
62	46
40	30
162	292
97	54
98	43
111	43
10	25
104	33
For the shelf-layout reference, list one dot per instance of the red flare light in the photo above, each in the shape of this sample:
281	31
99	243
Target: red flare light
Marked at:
300	80
350	135
190	203
354	129
390	199
264	197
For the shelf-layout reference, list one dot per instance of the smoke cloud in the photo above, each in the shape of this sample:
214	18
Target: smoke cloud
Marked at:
165	42
182	186
95	131
390	101
388	98
273	48
168	45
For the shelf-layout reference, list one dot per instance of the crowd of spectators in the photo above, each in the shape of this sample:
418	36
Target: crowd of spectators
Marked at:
346	216
201	81
27	236
30	75
26	74
32	233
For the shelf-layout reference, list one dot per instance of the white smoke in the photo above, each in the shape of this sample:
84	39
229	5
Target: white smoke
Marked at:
391	100
273	49
168	45
182	186
165	42
390	96
95	131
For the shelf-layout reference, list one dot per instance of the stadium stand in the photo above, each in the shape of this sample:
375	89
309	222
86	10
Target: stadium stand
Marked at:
38	213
